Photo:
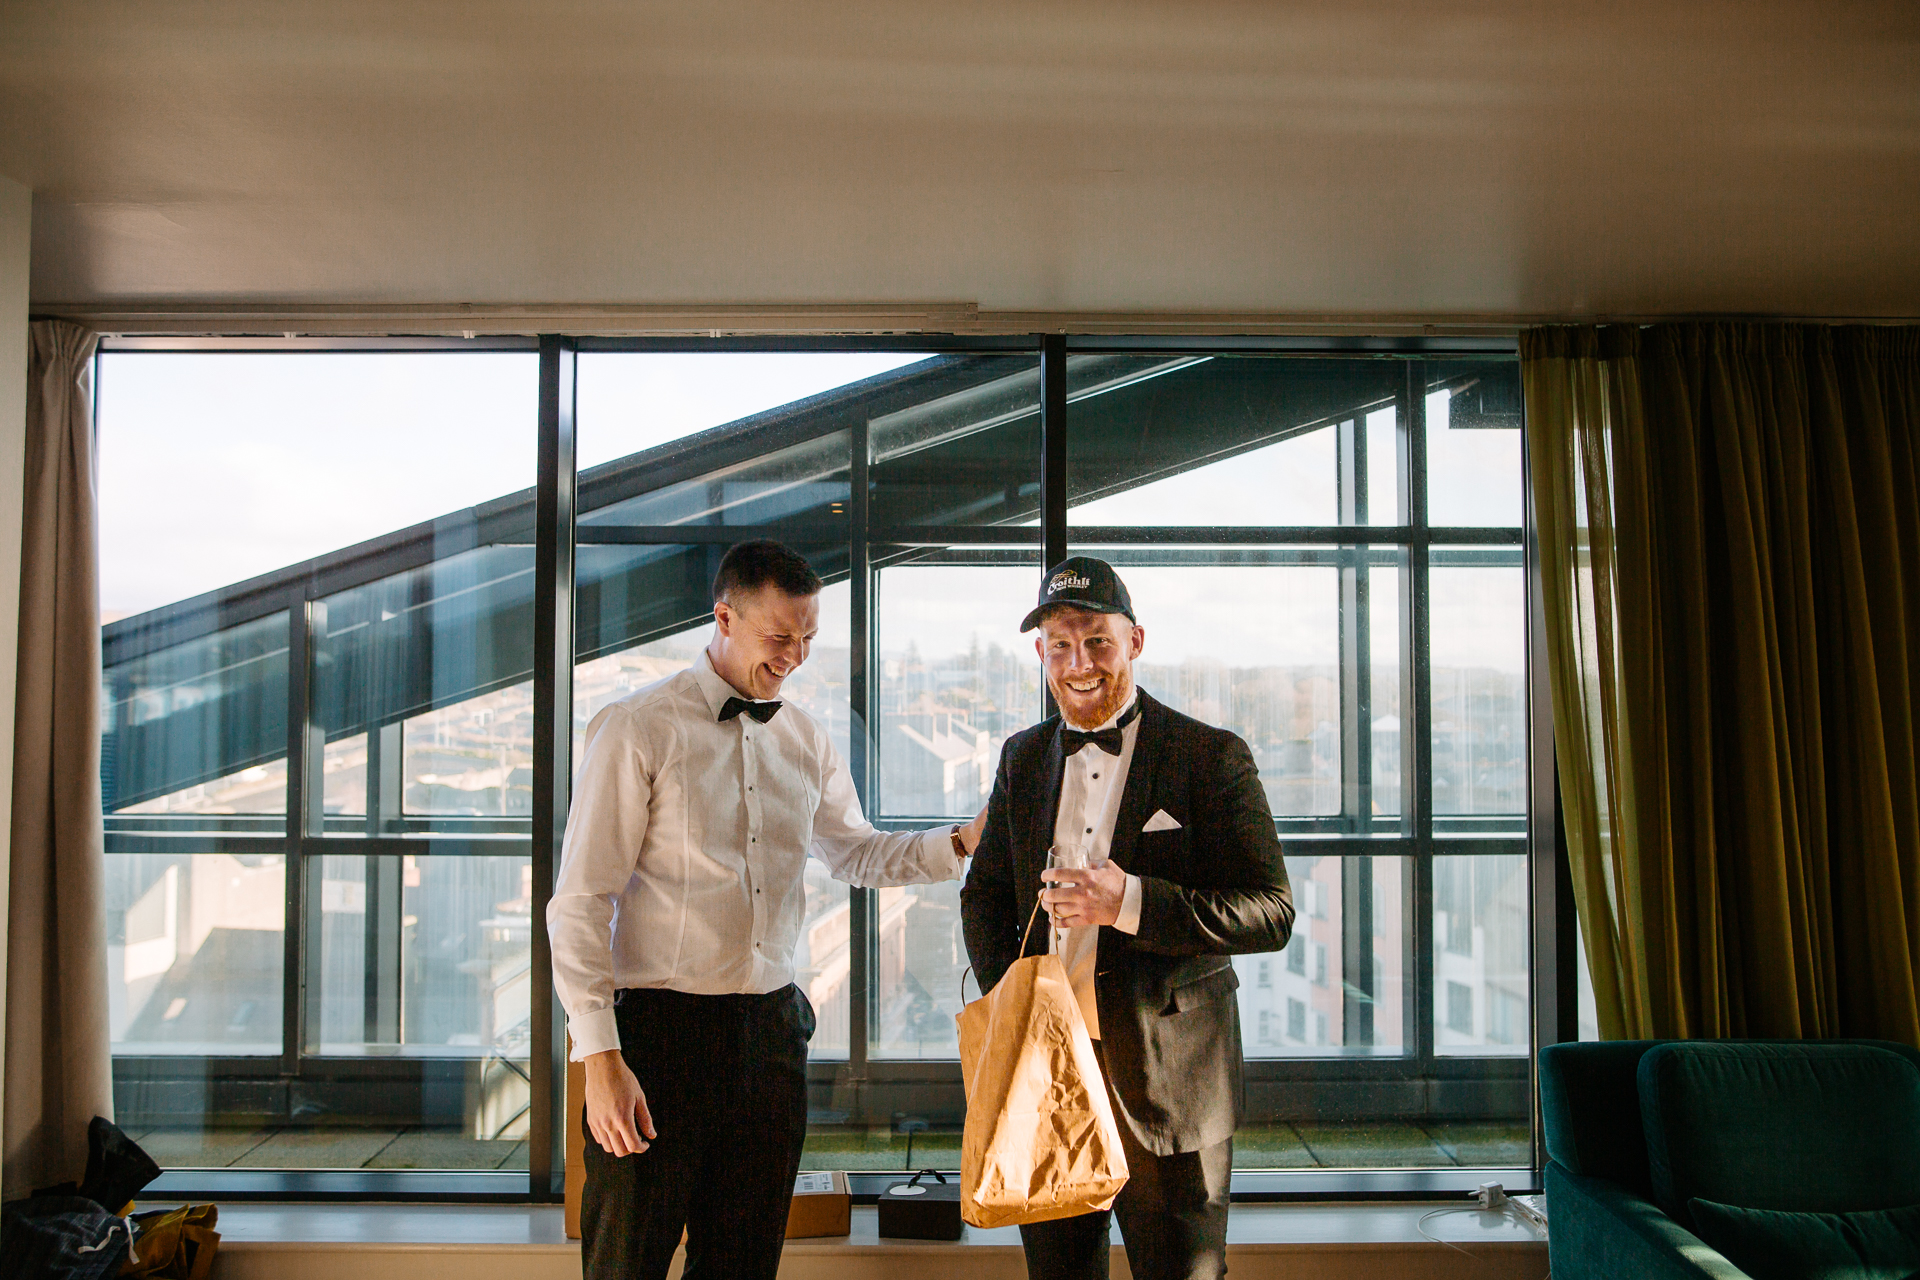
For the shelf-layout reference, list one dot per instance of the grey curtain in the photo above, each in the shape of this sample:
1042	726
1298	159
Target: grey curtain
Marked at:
59	1068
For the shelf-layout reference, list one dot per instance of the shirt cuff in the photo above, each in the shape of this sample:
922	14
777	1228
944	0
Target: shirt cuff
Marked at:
1129	918
937	855
595	1032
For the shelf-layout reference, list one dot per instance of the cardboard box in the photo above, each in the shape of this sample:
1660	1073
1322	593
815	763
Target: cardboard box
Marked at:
822	1206
576	1144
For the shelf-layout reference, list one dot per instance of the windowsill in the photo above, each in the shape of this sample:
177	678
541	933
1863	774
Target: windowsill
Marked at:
541	1229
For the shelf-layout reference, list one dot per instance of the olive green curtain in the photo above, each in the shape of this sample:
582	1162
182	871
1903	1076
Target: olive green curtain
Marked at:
1729	524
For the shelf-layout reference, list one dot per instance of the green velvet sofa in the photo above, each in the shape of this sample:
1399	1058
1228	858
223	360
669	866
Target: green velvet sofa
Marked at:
1635	1130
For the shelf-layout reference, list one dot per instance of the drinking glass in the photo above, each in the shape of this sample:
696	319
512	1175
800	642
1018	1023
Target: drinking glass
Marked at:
1070	857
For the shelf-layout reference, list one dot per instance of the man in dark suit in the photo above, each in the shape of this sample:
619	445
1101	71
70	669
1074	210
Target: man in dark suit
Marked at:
1184	870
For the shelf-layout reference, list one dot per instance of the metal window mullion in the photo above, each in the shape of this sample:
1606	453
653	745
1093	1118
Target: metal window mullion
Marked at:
864	743
1360	980
1416	705
306	747
1053	466
554	495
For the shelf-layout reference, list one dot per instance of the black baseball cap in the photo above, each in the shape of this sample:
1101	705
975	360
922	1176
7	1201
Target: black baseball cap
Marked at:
1084	583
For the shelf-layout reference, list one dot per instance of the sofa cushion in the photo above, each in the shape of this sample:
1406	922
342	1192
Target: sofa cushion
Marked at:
1791	1125
1590	1110
1877	1244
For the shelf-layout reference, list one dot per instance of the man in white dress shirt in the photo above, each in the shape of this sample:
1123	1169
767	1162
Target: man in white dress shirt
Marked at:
678	902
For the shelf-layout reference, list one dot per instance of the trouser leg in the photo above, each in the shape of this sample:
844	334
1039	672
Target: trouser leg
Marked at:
634	1208
1068	1248
1173	1212
737	1224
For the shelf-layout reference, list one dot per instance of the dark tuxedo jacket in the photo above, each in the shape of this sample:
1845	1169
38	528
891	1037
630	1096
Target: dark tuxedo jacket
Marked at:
1216	887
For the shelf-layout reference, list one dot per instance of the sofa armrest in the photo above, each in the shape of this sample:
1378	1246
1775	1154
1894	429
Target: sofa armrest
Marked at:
1598	1230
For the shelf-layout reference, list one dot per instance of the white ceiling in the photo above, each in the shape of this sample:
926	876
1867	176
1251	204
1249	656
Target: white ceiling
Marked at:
1410	158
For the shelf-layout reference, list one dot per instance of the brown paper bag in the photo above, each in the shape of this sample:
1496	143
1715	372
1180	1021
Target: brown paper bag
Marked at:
1040	1141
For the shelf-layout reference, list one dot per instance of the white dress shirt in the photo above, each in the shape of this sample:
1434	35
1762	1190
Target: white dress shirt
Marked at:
684	859
1090	792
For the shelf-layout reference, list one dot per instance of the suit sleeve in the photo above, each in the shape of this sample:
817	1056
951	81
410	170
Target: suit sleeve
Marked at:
987	907
1247	907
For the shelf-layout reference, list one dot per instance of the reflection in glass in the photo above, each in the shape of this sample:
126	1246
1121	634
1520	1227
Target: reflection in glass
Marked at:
956	681
807	479
430	670
1254	649
1480	954
823	965
922	957
425	952
195	946
1221	440
1383	635
964	448
1292	482
1383	468
471	759
1473	443
1336	990
1478	644
200	727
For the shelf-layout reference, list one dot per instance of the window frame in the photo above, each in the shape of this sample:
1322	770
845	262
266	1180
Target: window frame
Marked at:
889	1085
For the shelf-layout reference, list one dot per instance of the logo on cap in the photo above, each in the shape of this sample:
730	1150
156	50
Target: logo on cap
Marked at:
1062	581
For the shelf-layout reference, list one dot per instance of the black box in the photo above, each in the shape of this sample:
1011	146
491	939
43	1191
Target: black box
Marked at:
925	1208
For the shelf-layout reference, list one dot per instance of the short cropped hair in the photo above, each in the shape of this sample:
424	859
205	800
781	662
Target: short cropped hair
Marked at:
748	566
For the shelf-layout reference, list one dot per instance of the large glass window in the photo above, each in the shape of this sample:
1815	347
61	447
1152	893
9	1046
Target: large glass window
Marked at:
316	588
319	756
1312	619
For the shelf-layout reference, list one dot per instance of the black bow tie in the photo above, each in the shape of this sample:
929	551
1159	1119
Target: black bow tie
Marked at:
761	711
1108	740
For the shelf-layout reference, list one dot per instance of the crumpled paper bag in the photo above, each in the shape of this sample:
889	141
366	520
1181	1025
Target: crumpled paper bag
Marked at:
1040	1141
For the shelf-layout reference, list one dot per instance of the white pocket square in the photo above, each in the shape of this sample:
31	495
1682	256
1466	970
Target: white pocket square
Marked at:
1161	821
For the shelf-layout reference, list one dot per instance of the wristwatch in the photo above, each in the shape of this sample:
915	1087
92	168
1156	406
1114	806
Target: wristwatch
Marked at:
959	849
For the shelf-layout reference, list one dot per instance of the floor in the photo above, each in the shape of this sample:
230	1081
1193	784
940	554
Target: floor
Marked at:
1284	1146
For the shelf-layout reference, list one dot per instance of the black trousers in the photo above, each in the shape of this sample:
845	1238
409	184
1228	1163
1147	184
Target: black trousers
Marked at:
1173	1217
726	1083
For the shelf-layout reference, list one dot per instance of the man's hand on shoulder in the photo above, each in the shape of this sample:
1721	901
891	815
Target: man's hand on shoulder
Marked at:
617	1114
970	834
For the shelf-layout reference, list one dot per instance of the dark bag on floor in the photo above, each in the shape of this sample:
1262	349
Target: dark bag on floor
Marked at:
73	1232
53	1237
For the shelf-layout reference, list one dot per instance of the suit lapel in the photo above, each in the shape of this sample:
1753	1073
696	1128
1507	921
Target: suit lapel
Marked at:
1045	816
1136	802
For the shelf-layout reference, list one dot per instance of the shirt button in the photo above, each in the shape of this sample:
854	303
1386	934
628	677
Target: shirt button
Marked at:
1096	777
1089	830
